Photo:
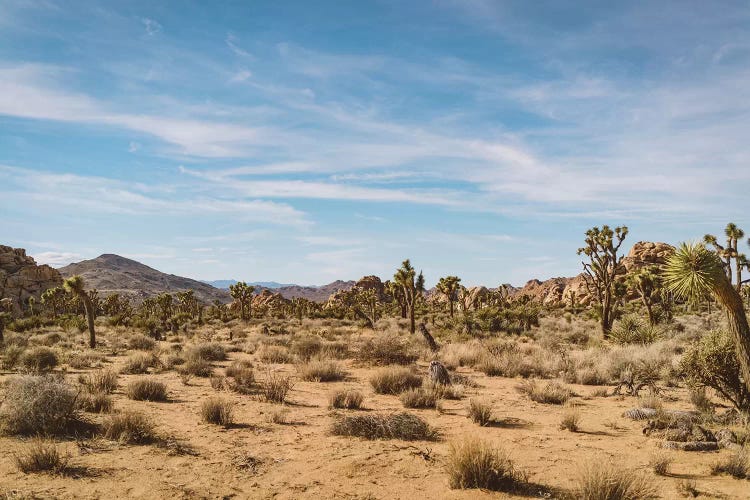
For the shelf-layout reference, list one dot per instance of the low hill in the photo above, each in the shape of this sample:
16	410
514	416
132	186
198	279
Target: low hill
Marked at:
271	285
314	293
111	273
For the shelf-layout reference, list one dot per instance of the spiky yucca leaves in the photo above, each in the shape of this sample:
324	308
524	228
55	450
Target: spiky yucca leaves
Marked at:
691	273
76	286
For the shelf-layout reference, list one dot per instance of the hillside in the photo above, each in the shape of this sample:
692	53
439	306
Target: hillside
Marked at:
111	273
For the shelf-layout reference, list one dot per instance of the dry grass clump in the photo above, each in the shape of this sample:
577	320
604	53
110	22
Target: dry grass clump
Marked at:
139	363
100	381
242	380
95	402
275	387
473	463
603	481
141	343
736	465
278	416
217	411
132	427
209	351
570	420
238	367
318	370
394	380
480	411
463	354
87	359
335	350
650	401
443	391
38	405
145	389
307	347
419	397
550	393
41	455
38	360
404	426
660	463
274	354
196	367
348	399
387	350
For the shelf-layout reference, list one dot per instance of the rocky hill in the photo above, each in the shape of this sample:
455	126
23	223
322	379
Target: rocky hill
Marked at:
111	273
314	293
21	277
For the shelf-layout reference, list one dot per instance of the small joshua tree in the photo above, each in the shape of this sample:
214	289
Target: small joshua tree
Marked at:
734	234
647	283
412	286
449	287
75	286
601	272
243	293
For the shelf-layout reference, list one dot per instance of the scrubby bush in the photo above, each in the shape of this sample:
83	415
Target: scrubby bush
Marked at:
11	354
217	411
660	463
480	411
321	371
238	367
603	480
242	378
305	348
404	426
394	380
418	397
196	367
95	402
139	363
210	351
141	343
274	354
736	465
100	381
145	389
570	420
41	455
275	387
387	350
348	399
132	427
550	393
38	360
88	359
712	362
38	405
476	464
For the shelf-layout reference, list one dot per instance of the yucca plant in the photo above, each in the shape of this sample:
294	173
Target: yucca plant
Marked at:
692	272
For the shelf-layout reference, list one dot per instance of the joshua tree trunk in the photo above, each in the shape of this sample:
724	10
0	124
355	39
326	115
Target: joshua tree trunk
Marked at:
89	308
412	324
606	319
451	303
738	326
649	311
428	338
738	273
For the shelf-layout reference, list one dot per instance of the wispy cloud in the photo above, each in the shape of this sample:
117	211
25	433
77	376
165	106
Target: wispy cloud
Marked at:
152	27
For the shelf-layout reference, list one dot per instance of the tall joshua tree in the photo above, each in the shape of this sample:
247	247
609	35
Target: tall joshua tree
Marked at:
600	273
691	273
243	293
412	286
647	283
449	286
731	251
75	286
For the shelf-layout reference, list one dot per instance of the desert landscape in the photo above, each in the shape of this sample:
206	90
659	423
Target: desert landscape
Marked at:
386	389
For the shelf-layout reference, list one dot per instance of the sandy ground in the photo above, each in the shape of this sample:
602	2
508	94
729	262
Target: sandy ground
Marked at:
259	459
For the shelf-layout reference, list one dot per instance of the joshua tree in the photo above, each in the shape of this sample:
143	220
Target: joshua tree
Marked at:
412	287
75	286
730	251
54	299
601	272
694	271
449	286
243	293
646	283
6	306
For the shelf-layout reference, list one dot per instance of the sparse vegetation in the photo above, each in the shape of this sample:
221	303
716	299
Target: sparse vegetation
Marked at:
480	411
217	411
41	455
275	387
570	420
130	427
321	371
38	405
473	463
404	426
548	393
419	397
348	399
605	480
736	465
145	389
394	380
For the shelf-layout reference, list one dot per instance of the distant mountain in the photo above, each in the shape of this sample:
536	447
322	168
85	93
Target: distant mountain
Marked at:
111	273
272	285
314	293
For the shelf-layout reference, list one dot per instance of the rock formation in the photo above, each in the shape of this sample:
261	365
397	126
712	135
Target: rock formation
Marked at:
21	277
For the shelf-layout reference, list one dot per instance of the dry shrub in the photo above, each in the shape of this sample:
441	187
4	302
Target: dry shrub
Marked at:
700	400
243	380
473	463
404	426
218	383
100	381
275	387
659	463
601	480
349	399
550	393
196	367
11	354
95	402
480	411
38	360
462	354
209	351
279	416
132	427
144	389
394	380
141	343
88	359
418	397
139	363
172	361
307	347
319	370
736	465
238	367
443	391
38	405
217	411
570	419
41	455
274	354
387	350
336	350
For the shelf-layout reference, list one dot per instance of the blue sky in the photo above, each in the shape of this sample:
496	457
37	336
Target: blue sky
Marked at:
309	141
